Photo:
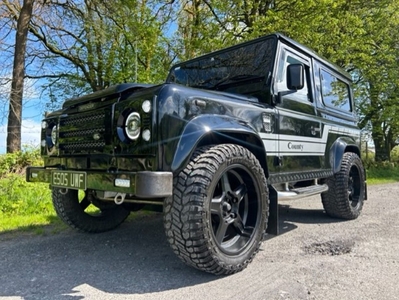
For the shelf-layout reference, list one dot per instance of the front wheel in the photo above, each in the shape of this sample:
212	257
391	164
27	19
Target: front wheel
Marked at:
217	216
82	211
346	193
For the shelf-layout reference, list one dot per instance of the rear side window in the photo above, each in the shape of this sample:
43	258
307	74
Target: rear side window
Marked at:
335	92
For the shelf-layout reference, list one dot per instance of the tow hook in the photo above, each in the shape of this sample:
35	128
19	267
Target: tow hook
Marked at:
63	191
119	198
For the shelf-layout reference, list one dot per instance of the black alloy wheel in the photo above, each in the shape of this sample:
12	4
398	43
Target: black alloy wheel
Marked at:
218	213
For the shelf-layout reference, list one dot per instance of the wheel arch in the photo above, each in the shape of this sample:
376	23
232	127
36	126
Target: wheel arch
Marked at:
207	130
340	146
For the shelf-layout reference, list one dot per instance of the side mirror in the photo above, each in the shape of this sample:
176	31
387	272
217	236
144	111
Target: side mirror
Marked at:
295	76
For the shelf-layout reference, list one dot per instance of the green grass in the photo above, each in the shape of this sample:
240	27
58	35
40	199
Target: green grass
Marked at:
373	181
36	223
384	173
25	206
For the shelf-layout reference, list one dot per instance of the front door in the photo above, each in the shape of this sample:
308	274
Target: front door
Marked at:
300	144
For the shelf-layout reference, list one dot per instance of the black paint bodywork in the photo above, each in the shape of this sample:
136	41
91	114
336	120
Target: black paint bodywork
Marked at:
244	109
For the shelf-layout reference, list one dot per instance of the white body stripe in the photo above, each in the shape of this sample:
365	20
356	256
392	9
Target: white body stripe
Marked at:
291	145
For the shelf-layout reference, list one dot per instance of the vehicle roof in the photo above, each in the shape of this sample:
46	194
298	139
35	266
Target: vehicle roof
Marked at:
312	53
284	39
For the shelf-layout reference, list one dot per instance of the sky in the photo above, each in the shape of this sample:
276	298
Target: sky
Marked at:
30	134
33	103
32	113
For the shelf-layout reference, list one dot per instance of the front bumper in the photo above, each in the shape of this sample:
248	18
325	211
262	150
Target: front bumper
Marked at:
143	185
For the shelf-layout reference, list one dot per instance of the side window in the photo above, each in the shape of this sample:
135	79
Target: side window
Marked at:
286	59
335	93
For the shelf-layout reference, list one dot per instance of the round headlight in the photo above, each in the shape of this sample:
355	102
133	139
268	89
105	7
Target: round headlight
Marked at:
146	106
54	135
44	125
132	126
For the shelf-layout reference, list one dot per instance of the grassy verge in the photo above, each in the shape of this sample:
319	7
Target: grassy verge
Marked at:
385	173
25	206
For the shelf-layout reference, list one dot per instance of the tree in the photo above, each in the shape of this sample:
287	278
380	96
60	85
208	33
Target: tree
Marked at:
18	74
361	37
380	77
86	45
82	46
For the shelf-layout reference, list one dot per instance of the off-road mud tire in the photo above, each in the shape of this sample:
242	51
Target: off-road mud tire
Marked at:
345	196
191	215
69	209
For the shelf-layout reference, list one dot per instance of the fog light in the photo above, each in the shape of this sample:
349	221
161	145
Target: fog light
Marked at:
43	143
146	106
146	135
122	182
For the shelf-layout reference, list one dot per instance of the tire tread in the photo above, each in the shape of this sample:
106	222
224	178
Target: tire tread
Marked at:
69	211
335	200
184	212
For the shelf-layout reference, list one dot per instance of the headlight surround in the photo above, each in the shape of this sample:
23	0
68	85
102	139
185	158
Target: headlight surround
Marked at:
133	125
54	135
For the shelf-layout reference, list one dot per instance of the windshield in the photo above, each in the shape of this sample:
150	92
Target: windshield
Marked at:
247	65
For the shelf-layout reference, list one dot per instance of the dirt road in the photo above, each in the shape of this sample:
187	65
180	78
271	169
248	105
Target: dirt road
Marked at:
315	257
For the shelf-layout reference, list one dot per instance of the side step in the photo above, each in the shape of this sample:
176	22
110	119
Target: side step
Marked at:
299	193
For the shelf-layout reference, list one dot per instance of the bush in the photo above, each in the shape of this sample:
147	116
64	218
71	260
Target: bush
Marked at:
18	197
383	170
17	162
395	154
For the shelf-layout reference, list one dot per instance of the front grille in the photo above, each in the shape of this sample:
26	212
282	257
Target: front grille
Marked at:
89	132
146	123
83	119
82	133
80	146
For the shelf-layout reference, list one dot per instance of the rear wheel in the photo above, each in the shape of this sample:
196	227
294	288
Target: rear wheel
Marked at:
345	196
82	211
216	219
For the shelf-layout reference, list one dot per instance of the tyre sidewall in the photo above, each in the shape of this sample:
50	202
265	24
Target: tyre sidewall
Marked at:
336	200
250	250
69	210
354	160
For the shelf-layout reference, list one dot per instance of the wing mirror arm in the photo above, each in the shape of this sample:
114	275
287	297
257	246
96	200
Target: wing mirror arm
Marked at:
280	95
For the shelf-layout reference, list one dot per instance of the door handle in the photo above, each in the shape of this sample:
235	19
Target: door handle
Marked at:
314	130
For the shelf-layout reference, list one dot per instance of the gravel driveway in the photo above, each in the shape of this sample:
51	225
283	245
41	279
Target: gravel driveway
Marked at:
314	257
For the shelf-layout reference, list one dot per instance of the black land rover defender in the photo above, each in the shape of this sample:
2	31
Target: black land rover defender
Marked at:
217	145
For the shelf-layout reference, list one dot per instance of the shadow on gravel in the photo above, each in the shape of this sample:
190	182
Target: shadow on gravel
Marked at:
133	259
55	225
305	216
289	215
